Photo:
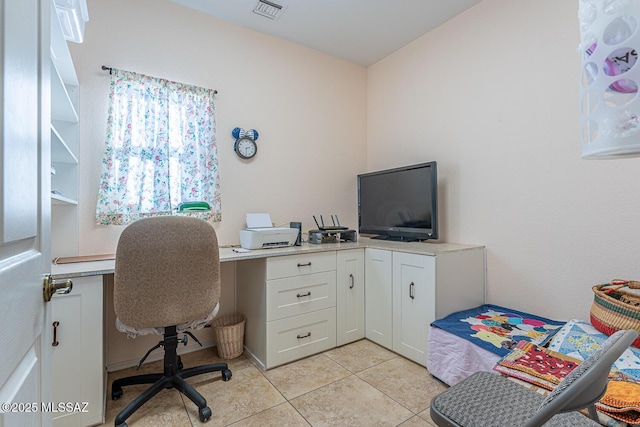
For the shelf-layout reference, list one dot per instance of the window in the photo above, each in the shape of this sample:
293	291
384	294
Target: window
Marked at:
161	150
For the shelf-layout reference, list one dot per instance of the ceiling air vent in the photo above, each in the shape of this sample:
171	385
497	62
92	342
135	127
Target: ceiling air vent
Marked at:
268	9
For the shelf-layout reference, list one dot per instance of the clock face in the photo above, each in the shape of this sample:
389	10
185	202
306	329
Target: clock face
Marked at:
246	148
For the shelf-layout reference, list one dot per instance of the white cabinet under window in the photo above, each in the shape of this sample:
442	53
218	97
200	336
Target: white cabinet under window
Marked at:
64	145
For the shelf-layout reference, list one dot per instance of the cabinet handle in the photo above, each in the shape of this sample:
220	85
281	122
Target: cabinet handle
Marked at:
412	293
307	335
352	281
55	334
308	294
306	264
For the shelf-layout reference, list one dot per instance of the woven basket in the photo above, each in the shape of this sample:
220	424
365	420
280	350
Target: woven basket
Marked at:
614	309
229	332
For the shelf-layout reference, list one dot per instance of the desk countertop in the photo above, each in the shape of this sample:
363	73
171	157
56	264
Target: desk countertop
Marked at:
93	268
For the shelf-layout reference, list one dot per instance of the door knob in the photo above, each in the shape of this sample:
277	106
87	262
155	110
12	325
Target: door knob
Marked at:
52	286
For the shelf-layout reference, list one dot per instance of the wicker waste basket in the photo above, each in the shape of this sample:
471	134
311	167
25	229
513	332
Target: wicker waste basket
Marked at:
229	331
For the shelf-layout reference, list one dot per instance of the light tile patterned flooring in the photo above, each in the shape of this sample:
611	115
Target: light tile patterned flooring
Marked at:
360	384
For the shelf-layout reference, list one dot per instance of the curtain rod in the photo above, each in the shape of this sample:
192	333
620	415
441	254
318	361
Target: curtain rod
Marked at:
105	68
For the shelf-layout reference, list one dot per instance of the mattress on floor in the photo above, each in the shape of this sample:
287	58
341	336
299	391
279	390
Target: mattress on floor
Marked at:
451	359
474	340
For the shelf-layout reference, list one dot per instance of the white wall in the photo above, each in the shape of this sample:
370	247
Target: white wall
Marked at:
307	107
493	97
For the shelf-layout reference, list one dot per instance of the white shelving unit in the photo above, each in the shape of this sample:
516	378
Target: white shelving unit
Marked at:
77	330
64	145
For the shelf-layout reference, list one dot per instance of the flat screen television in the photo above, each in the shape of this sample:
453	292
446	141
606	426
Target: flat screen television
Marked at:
399	204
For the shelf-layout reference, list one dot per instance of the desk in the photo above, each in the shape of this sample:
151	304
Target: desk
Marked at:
93	268
97	268
408	286
245	274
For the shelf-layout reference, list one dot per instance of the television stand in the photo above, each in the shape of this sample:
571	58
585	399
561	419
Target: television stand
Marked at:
395	238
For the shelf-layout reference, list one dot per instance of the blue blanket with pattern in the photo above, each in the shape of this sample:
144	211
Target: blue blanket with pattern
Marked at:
498	329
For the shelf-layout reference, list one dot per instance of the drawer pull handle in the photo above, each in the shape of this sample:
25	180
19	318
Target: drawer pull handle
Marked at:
308	294
412	293
306	264
352	281
55	334
308	334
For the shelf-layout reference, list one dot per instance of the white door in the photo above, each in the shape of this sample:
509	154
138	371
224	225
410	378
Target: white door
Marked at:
24	210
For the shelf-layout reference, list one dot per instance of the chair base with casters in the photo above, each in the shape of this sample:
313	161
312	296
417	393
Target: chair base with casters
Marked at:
173	377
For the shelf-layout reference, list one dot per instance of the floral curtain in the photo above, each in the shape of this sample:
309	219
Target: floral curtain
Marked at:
161	150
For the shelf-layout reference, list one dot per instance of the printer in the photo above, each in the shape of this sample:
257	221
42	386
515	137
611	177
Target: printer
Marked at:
260	233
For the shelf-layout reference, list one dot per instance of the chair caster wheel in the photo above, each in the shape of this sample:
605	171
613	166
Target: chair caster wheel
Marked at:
204	414
116	394
122	425
226	375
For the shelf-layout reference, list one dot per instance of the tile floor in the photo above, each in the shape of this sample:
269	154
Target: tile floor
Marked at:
360	384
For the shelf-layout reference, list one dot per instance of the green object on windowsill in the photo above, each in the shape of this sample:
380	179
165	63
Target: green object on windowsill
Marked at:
194	207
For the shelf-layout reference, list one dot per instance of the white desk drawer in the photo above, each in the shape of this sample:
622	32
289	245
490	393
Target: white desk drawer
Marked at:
300	336
296	295
295	265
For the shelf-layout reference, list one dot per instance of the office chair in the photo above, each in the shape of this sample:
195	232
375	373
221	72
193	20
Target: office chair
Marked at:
486	399
167	280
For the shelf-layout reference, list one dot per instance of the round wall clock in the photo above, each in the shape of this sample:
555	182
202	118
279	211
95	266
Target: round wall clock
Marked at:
245	148
245	145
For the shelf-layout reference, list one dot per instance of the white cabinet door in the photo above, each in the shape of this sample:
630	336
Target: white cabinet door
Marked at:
413	304
378	296
77	352
350	295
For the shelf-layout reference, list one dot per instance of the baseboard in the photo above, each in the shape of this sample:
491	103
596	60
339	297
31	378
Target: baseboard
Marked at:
253	358
158	354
